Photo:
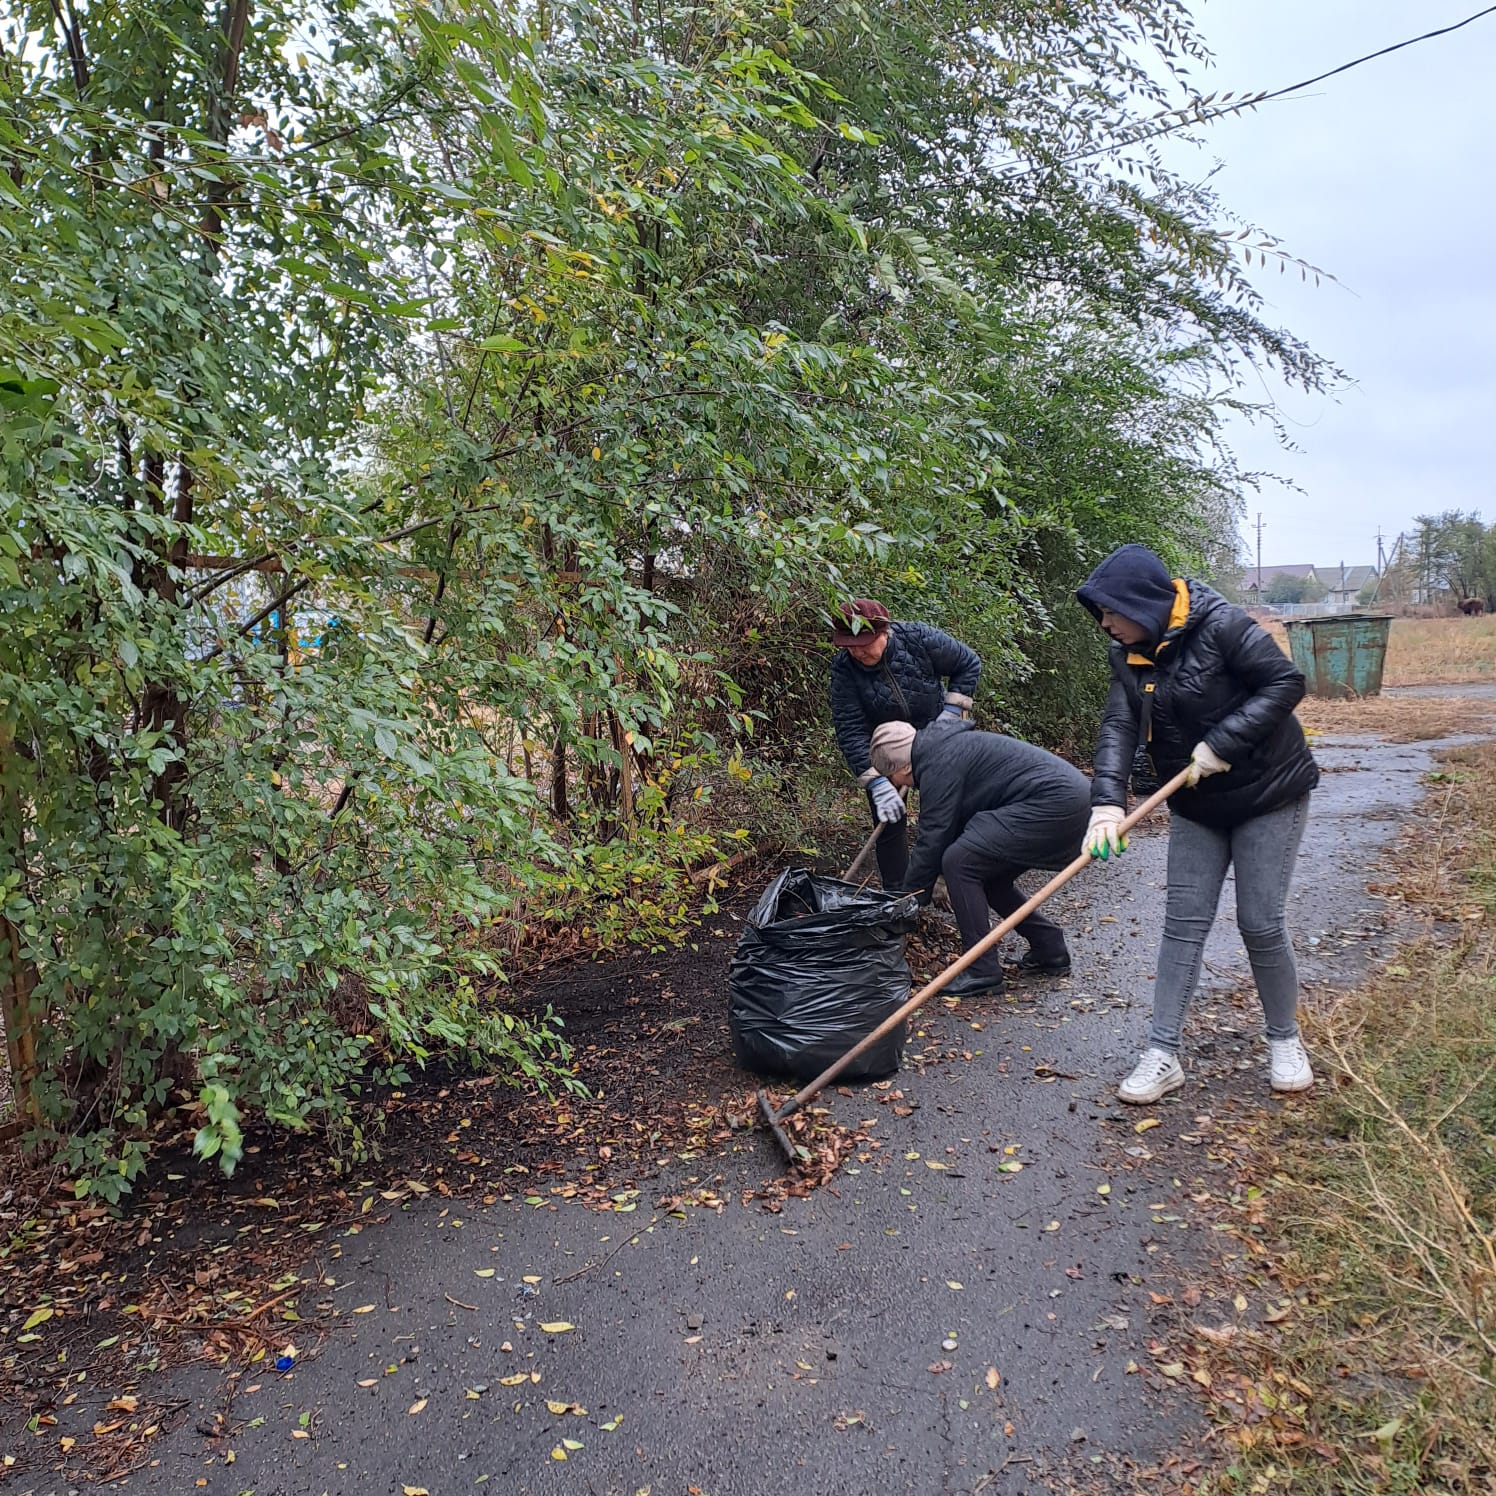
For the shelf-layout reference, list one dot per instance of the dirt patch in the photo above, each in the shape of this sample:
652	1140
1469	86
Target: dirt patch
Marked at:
197	1267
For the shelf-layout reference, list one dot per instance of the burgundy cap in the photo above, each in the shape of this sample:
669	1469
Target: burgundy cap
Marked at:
874	618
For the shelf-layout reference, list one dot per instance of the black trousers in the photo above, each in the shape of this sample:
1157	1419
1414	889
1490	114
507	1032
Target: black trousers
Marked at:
978	883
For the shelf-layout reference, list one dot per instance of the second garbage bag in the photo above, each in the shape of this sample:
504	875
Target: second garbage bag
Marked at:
820	965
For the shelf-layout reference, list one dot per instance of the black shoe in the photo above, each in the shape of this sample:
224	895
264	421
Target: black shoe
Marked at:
974	984
1045	966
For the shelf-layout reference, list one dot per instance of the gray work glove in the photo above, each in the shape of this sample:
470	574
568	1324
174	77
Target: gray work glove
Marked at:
888	804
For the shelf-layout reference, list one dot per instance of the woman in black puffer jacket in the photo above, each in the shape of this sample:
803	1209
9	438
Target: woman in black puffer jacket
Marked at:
887	671
1201	686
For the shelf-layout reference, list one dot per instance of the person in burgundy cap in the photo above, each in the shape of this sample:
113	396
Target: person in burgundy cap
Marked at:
886	670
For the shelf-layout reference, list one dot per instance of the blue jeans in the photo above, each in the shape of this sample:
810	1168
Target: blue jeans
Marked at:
1263	851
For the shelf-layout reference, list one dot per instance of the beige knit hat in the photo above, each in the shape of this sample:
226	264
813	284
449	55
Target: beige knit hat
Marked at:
891	746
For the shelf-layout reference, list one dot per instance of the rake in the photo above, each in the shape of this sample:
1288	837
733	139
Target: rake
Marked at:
774	1119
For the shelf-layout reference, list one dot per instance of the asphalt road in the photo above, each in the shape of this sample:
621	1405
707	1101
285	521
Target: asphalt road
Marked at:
933	1321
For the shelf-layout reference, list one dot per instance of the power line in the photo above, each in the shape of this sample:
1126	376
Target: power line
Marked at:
1181	118
1345	67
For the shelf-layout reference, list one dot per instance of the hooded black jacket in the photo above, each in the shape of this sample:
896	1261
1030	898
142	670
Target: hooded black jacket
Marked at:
906	685
1039	803
1218	678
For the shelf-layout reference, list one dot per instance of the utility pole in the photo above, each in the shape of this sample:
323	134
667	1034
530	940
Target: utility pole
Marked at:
1259	557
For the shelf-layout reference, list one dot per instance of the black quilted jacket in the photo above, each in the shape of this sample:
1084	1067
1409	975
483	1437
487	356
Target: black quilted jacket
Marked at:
1219	678
906	685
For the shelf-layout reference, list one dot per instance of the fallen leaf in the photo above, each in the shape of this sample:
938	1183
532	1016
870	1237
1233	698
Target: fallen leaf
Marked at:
557	1408
300	1433
572	1444
612	1423
368	1381
952	1284
1146	1124
38	1317
417	1406
530	1280
931	1163
936	1367
364	1309
1241	1303
484	1272
993	1378
558	1453
415	1491
1174	1369
514	1381
123	1405
1103	1189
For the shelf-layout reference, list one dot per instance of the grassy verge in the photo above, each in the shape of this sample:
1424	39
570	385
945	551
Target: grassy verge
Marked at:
1440	651
1382	1378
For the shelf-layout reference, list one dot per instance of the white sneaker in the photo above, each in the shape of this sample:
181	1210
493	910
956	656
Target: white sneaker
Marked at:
1156	1074
1291	1070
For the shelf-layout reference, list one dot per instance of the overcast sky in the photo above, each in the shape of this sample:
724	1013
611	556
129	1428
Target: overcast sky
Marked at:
1383	177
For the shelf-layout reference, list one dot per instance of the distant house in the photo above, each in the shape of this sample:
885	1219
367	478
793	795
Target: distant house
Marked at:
1344	584
1258	580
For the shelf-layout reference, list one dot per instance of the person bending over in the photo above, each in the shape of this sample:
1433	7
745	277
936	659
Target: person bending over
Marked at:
990	808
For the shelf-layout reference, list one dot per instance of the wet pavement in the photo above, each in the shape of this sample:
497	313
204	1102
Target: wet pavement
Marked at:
977	1305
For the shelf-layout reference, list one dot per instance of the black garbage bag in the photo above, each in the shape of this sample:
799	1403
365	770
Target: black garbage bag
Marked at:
819	966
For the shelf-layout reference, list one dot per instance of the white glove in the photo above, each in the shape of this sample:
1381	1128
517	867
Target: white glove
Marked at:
1102	839
888	804
1204	762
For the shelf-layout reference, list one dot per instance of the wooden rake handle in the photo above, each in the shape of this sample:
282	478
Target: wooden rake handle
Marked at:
984	945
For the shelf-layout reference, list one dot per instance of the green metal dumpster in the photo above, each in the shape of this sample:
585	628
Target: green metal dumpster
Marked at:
1342	654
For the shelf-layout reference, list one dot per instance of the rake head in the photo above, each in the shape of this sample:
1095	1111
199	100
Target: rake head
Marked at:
772	1120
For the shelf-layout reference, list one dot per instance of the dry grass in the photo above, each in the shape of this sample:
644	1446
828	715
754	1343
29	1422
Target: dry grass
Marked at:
1385	1191
1400	719
1440	651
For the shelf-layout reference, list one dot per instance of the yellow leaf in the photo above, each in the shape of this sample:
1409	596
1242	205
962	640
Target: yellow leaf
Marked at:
484	1272
951	1283
1053	1226
1146	1123
530	1280
931	1163
416	1407
415	1491
364	1309
1103	1189
557	1327
38	1317
572	1443
558	1453
558	1408
1241	1303
515	1380
597	454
